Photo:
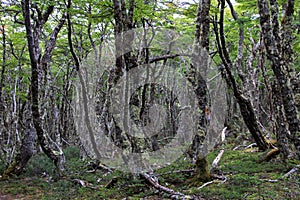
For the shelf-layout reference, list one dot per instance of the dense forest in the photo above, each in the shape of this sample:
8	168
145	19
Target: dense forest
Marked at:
147	99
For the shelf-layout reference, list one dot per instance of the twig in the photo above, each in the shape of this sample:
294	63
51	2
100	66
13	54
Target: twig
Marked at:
171	56
250	146
84	183
295	169
65	141
217	159
219	156
206	184
213	181
98	165
111	183
269	180
219	177
237	147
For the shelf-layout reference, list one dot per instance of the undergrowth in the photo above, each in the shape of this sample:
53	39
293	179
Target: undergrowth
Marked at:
246	178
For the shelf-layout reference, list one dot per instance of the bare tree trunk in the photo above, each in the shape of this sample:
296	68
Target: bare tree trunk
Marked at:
19	138
2	79
84	94
280	125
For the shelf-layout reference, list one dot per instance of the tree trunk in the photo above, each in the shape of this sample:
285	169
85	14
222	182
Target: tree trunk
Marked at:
279	52
246	107
196	75
2	77
51	149
24	153
281	127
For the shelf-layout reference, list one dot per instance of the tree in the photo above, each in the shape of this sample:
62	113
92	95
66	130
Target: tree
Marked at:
244	102
278	44
16	130
197	75
40	62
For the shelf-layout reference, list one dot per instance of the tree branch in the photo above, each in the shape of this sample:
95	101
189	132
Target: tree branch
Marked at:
156	185
50	45
239	59
47	13
164	57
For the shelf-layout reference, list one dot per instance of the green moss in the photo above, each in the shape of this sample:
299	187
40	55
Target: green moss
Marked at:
246	179
2	166
38	165
72	153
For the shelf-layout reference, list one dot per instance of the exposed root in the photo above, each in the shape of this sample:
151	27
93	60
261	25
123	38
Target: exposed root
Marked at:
269	155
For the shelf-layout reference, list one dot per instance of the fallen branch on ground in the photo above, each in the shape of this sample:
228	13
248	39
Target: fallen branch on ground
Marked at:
206	184
219	156
96	166
213	181
154	182
84	183
238	147
269	180
250	146
295	169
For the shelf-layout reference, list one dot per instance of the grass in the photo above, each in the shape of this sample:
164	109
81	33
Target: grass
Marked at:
246	179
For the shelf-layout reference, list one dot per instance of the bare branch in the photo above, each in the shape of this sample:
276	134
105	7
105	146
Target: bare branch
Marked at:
153	182
295	169
219	156
164	57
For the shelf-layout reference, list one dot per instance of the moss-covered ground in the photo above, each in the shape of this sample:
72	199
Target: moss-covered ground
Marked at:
246	178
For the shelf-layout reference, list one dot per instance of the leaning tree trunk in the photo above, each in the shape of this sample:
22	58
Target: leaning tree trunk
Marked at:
246	108
33	33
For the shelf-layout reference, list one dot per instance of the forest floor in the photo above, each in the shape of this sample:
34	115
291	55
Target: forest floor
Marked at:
246	178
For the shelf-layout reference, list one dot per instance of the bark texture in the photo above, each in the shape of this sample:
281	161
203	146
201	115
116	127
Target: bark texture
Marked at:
246	108
196	75
278	44
38	61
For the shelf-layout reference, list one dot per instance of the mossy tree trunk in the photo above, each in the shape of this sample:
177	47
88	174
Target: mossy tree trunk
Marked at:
24	153
39	62
278	38
197	77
